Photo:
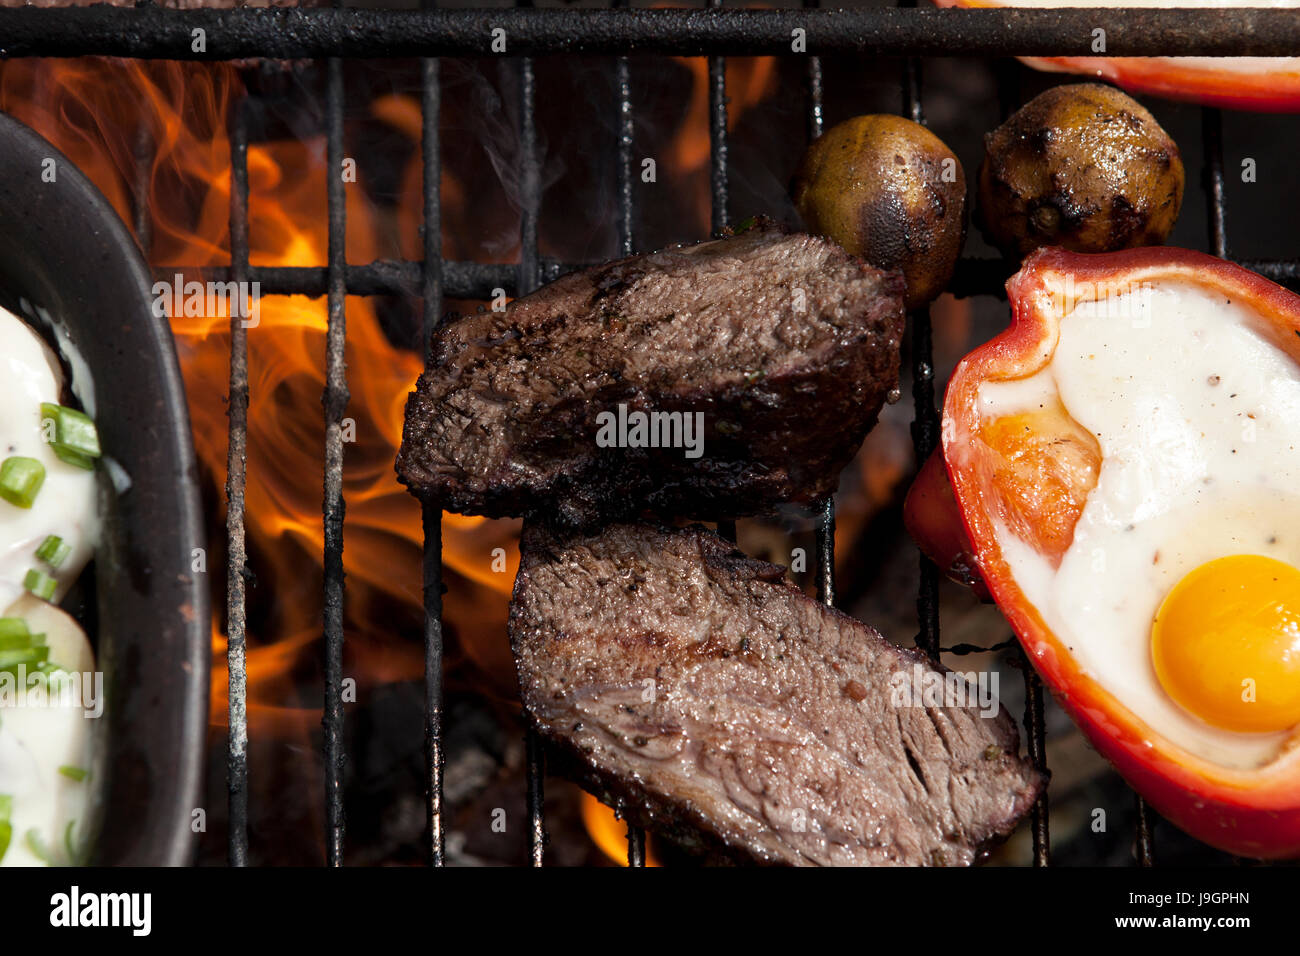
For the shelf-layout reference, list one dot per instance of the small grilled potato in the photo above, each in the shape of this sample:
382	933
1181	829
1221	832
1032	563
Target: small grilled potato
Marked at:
890	191
1081	166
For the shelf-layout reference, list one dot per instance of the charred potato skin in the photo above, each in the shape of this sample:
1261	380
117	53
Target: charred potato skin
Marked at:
1082	166
887	190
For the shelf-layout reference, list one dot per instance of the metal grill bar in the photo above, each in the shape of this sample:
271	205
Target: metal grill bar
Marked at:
826	509
814	83
1144	846
626	132
530	279
143	151
1038	820
1008	81
335	400
530	275
430	513
535	763
719	219
925	424
718	135
626	245
294	33
635	846
236	463
434	758
476	280
826	551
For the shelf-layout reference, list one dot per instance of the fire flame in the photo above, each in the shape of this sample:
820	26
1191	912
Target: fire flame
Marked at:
749	81
91	110
154	135
609	832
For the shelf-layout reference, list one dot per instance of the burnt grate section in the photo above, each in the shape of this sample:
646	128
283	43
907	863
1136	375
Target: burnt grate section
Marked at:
714	32
287	33
236	469
431	517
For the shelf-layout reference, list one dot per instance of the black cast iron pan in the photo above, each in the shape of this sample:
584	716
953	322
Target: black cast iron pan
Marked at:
65	252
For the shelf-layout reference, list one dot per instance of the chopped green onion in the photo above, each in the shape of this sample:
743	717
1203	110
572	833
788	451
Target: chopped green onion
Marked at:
75	439
15	642
54	550
29	657
73	855
40	584
37	846
20	480
15	636
74	773
6	828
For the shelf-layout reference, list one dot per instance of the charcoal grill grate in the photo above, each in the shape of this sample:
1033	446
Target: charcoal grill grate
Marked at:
431	293
150	32
236	465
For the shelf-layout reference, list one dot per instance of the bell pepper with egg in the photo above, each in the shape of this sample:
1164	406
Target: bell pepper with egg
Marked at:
1268	84
1031	473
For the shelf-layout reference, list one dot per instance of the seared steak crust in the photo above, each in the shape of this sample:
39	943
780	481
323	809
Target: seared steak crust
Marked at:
713	700
787	345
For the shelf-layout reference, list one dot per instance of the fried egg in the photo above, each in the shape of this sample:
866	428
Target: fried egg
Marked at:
1179	591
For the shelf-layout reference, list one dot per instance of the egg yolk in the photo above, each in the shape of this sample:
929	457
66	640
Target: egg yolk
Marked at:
1226	643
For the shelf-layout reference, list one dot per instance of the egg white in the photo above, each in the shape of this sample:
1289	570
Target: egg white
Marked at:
1198	420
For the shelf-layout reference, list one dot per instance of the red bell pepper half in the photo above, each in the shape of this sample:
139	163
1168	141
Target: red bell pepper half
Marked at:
1034	478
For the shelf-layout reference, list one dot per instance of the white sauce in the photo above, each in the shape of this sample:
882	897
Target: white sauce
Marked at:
36	741
1167	379
65	505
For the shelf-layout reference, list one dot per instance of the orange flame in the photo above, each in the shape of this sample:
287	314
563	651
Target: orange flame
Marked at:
749	81
609	832
105	115
91	109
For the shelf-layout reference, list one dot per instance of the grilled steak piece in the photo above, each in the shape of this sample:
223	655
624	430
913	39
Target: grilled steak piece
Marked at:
718	703
774	348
